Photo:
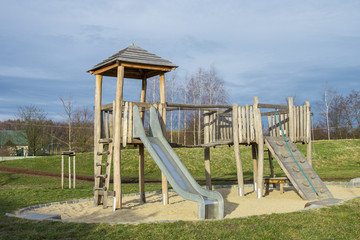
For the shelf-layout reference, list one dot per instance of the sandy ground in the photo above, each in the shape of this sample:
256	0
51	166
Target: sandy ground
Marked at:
180	209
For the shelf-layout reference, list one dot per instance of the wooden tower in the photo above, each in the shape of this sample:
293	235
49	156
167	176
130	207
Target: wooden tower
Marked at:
132	62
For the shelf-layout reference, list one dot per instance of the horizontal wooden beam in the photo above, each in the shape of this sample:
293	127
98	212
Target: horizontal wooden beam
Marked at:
275	106
274	113
188	106
101	70
151	67
109	107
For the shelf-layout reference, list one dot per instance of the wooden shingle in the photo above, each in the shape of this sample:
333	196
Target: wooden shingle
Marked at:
134	58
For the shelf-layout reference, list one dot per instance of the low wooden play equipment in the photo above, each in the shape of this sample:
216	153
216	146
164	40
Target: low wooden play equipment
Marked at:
114	125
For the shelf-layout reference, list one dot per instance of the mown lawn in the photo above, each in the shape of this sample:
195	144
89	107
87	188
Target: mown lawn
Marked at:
333	159
338	158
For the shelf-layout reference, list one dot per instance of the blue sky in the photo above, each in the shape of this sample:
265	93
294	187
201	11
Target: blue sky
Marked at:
272	49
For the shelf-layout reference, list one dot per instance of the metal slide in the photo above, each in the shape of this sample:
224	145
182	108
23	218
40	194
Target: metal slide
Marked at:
298	170
210	203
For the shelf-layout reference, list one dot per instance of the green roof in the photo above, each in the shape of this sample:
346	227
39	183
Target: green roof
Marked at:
17	137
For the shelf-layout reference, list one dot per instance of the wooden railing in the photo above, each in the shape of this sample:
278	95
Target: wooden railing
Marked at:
294	120
216	123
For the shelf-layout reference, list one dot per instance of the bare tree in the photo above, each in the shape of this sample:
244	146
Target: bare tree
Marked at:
68	107
350	107
214	88
327	100
33	123
83	129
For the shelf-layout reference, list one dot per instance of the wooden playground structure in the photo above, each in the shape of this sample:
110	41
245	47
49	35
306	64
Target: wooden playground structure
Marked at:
234	125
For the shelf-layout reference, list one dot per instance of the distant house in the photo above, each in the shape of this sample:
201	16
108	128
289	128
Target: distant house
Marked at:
13	143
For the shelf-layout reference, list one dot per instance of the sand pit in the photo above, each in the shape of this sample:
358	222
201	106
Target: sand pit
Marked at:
180	209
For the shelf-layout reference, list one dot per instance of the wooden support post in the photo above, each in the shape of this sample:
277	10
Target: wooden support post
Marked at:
141	174
97	131
69	172
207	168
239	170
207	135
255	168
291	119
141	147
117	137
260	143
74	170
62	171
163	116
308	133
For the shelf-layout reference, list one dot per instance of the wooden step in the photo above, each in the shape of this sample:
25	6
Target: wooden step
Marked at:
103	153
101	188
105	140
102	164
101	176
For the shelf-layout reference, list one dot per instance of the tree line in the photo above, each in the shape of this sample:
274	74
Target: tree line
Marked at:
339	116
46	136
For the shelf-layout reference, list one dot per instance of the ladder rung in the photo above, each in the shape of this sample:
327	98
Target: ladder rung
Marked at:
101	176
103	153
102	164
98	189
105	140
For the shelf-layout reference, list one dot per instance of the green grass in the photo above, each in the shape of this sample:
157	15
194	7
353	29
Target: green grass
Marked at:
338	158
333	159
328	223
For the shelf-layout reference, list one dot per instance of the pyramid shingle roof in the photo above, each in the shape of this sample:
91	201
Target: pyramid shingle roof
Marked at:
134	54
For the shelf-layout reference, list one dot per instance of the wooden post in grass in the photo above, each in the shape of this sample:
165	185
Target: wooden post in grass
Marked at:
69	171
62	171
141	147
97	132
260	144
239	169
117	136
164	181
69	154
255	168
74	170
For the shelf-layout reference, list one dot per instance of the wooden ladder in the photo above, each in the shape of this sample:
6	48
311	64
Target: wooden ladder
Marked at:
102	181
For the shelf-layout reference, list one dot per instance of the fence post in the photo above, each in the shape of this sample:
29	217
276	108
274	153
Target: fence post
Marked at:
308	133
291	119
